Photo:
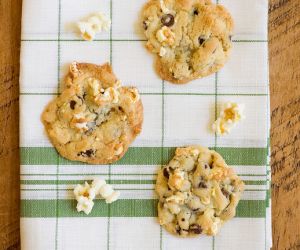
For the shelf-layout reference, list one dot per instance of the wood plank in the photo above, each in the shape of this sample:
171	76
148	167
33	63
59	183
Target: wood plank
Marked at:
10	13
284	56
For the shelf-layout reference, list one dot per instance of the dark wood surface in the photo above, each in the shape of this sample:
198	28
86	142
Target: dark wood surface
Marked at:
284	56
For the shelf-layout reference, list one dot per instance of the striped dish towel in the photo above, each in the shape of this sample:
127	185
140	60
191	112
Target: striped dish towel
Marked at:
175	115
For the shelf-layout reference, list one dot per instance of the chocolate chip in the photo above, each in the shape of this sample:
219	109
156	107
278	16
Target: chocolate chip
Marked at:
196	12
167	20
201	40
195	228
211	166
87	153
145	26
206	166
166	173
183	219
202	185
178	230
72	104
230	37
225	192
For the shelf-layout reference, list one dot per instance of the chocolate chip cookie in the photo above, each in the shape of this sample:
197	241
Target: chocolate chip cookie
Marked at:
197	192
94	120
190	38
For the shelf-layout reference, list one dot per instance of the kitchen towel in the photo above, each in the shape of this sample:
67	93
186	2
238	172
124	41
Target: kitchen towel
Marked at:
175	115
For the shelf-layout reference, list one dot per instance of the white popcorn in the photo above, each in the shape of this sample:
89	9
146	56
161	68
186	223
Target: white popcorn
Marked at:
80	122
86	30
231	113
165	36
113	94
84	204
135	96
113	197
84	191
119	149
94	24
98	183
163	7
162	51
84	194
94	86
106	190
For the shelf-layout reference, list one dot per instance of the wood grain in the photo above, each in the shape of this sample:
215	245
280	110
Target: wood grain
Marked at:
284	56
10	13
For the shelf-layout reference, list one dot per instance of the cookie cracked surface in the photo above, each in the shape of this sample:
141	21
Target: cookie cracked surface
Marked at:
94	120
191	38
197	192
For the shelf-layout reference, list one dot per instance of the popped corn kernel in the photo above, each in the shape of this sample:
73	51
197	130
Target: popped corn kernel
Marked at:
84	204
79	122
165	36
231	113
94	86
135	96
94	24
84	194
86	30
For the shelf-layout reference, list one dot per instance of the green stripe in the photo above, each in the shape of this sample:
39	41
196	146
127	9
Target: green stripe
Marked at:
172	94
121	208
145	156
53	182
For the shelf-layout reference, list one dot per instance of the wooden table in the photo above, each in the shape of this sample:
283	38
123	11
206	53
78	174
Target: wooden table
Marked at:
284	54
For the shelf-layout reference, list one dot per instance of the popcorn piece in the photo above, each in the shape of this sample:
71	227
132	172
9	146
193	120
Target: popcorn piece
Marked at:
84	194
231	113
98	183
135	96
84	191
73	69
84	204
113	94
94	86
162	51
163	7
86	30
80	122
165	36
113	197
95	23
119	149
109	94
176	179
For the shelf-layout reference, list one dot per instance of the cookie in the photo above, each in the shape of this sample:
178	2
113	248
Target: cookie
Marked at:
94	120
190	38
197	192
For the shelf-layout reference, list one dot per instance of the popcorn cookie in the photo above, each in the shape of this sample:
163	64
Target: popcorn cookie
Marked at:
94	120
197	192
190	38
